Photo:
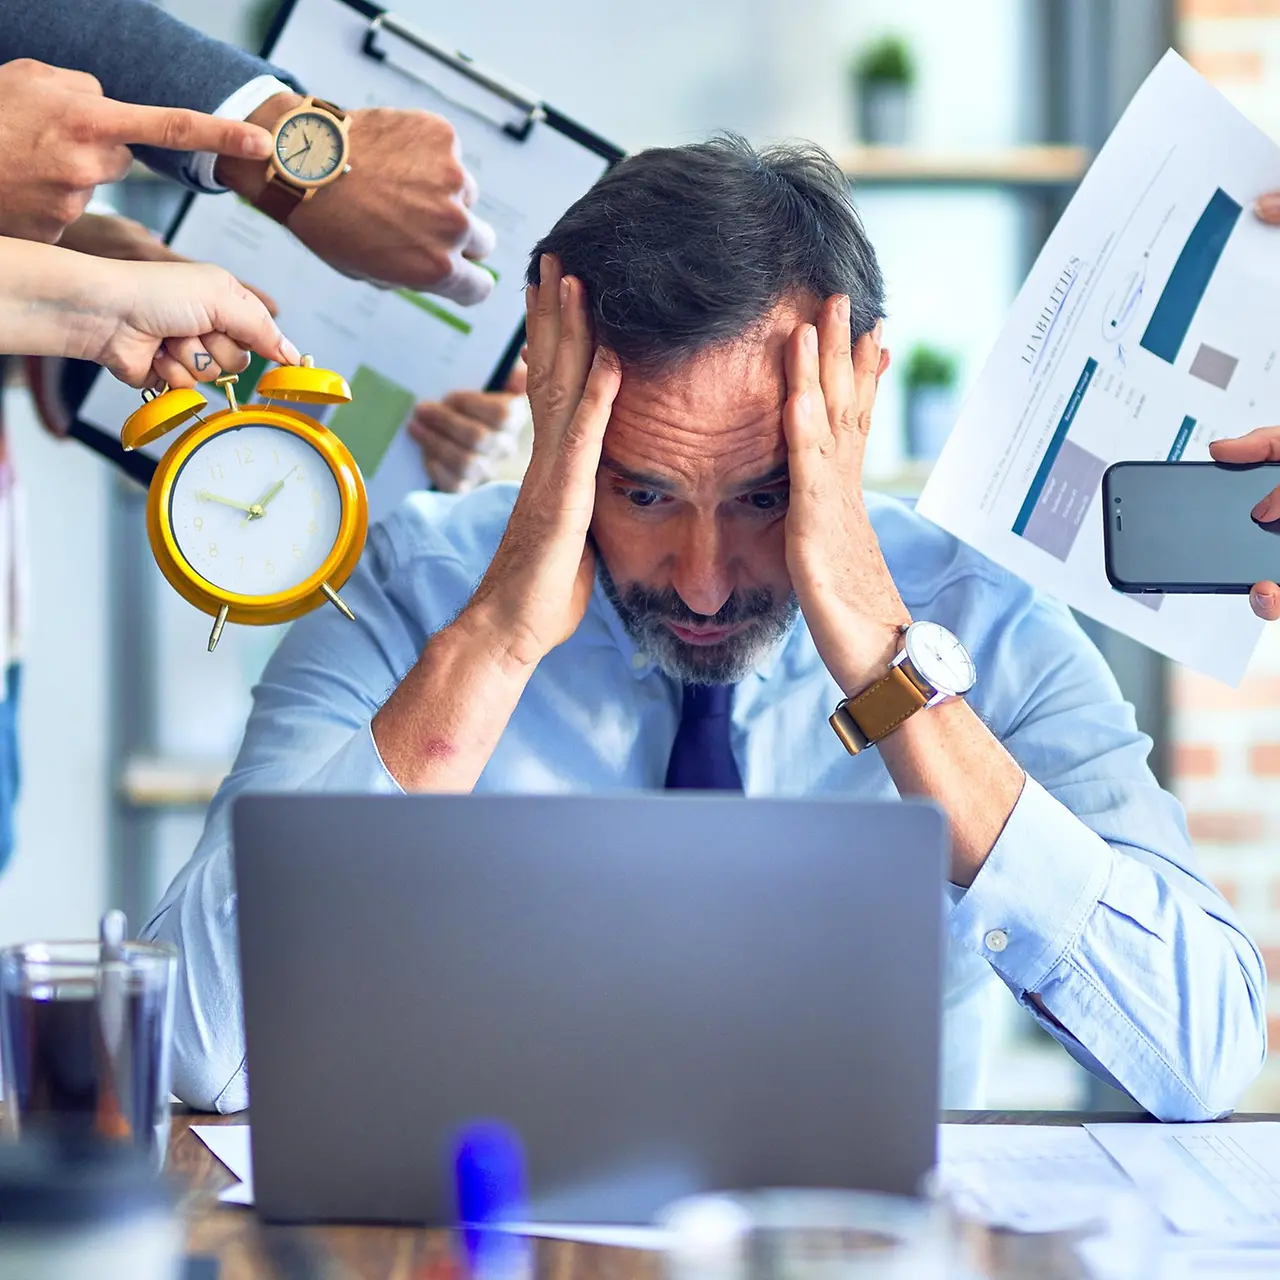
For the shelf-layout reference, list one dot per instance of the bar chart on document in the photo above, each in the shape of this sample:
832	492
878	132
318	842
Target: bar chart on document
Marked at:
1149	326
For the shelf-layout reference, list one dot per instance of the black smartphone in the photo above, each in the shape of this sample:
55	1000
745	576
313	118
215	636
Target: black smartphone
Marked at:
1185	527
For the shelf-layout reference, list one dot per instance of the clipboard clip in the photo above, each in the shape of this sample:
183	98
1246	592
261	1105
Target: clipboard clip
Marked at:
454	76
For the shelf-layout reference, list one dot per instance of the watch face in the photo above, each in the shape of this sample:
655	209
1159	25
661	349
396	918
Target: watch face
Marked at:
309	146
940	658
255	510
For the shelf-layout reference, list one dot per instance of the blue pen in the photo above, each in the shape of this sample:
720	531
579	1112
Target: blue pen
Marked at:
489	1180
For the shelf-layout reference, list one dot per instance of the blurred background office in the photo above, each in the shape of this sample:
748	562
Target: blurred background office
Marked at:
963	128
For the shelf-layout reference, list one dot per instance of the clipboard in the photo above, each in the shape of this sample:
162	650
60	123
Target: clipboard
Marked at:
395	346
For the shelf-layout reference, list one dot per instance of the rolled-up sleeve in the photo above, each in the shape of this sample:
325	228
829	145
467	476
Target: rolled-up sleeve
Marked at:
1091	900
310	730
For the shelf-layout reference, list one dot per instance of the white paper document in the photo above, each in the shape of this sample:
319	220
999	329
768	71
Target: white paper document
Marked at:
1027	1177
1149	325
1207	1179
232	1145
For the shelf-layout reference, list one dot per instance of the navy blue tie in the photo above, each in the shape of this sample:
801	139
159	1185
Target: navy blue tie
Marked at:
701	758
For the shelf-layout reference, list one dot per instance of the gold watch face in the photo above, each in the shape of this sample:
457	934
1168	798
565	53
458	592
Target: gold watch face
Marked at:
310	147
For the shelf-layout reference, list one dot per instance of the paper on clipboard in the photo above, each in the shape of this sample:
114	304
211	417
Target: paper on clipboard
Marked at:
1145	329
394	346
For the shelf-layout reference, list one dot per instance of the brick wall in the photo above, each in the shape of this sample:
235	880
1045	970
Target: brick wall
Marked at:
1236	44
1226	770
1226	753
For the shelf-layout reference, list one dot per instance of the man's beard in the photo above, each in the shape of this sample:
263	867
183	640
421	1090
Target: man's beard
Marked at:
645	612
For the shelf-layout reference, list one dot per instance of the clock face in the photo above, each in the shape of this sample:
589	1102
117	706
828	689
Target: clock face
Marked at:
255	510
309	146
938	656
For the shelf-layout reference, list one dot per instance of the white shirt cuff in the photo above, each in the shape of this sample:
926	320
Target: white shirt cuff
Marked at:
1036	891
239	106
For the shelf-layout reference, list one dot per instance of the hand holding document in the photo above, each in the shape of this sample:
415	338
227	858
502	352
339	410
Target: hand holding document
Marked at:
1147	328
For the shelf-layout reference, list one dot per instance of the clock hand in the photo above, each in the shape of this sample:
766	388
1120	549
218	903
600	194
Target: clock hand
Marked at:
301	151
205	496
271	493
256	511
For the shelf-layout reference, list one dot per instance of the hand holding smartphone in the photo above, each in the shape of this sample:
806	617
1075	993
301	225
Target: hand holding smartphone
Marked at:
1198	527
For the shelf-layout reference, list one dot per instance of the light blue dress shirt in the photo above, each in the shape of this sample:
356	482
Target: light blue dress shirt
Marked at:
1091	896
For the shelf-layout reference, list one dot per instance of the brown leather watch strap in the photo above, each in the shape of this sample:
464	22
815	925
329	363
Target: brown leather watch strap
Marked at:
279	199
876	712
335	111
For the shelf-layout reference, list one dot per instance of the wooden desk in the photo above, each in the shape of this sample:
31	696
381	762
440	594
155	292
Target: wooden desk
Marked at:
245	1247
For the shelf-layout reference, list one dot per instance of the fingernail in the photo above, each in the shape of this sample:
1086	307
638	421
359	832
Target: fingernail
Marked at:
1268	206
544	266
256	145
802	402
1263	599
564	291
291	353
811	339
842	308
878	332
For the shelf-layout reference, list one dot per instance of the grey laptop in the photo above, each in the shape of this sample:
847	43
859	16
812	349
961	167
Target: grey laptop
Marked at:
661	994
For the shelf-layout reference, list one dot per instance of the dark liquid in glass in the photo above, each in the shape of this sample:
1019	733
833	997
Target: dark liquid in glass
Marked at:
75	1081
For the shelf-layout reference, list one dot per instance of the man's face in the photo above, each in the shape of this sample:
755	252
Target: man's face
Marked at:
691	503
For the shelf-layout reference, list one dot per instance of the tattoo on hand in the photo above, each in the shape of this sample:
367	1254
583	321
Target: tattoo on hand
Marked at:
202	361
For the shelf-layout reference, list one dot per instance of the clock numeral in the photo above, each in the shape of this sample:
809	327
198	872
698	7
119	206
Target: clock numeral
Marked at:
275	457
297	552
312	528
246	459
269	569
215	471
198	522
297	474
240	561
315	497
213	550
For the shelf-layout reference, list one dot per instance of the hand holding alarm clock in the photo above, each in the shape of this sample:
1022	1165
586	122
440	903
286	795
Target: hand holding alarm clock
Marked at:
256	514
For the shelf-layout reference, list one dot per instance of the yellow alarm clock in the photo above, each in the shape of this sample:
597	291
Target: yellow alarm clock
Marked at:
255	514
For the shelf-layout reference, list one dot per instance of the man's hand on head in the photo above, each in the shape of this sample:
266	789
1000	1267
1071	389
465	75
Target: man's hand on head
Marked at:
537	586
839	575
402	216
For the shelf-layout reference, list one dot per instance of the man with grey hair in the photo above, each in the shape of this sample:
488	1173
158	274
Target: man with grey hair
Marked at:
691	589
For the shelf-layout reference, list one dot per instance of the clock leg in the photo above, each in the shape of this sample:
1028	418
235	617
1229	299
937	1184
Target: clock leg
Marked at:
218	624
337	601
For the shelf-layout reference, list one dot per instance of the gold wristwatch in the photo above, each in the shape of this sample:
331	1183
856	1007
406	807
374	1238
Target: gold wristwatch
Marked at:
931	665
310	152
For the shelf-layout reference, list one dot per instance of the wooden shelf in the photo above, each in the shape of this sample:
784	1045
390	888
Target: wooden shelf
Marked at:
152	783
1030	166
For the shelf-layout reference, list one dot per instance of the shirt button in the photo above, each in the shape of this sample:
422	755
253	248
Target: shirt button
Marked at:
996	940
638	660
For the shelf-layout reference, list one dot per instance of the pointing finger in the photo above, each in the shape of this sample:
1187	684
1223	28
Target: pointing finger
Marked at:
177	129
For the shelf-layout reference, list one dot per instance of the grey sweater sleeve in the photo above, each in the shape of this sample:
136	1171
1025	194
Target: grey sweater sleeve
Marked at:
138	52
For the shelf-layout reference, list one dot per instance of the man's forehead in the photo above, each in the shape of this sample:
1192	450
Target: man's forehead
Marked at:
721	409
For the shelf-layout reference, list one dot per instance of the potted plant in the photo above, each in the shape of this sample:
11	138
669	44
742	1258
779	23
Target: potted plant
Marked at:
883	75
930	379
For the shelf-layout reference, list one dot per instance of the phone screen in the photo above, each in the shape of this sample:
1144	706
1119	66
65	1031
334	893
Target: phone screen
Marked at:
1185	526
